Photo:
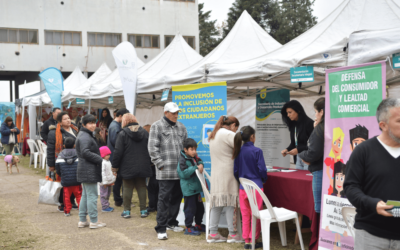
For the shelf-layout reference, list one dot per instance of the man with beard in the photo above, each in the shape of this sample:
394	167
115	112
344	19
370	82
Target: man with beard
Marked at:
372	179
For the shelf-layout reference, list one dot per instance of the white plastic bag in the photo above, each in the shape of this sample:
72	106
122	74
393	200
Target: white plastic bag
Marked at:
11	139
49	192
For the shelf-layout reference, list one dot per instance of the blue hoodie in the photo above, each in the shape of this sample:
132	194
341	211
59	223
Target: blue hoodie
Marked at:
250	164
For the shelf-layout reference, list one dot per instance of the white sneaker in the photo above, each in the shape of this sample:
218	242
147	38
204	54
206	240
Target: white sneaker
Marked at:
162	236
176	229
97	225
83	224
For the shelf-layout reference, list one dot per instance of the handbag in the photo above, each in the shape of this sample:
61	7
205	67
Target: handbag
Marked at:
11	138
49	191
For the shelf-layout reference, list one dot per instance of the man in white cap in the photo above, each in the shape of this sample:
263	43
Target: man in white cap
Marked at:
165	143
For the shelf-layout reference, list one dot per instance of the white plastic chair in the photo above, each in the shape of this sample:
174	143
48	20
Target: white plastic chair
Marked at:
207	196
267	216
43	152
349	215
34	151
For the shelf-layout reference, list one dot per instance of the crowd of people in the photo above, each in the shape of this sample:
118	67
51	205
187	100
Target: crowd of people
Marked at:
161	160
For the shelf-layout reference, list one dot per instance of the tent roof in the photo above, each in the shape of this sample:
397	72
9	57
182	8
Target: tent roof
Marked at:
177	56
373	45
323	45
84	91
246	40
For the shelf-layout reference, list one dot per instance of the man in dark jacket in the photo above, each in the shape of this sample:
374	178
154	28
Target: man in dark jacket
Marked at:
132	162
113	130
75	118
66	168
89	172
51	121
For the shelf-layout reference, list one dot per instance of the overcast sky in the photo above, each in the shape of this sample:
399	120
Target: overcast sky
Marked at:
219	8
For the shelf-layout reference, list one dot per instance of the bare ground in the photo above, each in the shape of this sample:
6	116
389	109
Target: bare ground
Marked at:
25	224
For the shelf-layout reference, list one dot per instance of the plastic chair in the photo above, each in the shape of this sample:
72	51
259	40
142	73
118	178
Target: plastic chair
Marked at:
269	215
43	152
349	215
207	196
34	151
202	177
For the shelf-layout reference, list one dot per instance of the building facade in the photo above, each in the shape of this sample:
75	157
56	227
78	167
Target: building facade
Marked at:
37	34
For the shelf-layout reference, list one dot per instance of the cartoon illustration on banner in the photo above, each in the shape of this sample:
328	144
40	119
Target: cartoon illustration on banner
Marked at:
353	95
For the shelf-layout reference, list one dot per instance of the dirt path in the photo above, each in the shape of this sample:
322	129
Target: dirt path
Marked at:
25	224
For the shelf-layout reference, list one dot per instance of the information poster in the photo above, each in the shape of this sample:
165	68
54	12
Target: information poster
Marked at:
272	135
7	109
352	97
202	105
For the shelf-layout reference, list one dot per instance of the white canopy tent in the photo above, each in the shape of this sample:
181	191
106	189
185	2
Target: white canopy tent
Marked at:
324	45
177	56
84	90
247	40
73	81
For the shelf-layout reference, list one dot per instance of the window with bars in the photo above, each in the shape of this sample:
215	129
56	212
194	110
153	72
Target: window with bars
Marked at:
62	38
144	41
189	39
11	35
104	39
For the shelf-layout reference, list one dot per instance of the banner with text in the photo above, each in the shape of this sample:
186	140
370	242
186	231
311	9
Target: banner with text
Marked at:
352	97
272	134
53	81
126	60
202	105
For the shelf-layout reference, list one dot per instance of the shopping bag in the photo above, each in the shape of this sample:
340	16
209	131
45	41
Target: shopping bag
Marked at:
49	191
11	139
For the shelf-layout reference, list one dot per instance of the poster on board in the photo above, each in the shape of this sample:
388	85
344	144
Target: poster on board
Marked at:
201	104
352	97
271	132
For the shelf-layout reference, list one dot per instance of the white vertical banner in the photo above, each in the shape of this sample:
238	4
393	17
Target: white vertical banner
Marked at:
32	122
125	58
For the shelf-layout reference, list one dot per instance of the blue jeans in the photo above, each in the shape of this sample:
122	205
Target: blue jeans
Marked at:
300	164
317	189
88	203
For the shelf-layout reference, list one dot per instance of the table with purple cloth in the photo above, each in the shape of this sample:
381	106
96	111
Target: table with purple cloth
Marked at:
293	191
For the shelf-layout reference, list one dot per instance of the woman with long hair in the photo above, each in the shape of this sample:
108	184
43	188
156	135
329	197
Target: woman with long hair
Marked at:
132	162
224	186
314	155
300	127
104	123
55	144
99	139
9	134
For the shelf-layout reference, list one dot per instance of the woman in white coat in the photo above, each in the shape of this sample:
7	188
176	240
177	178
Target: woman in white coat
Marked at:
224	186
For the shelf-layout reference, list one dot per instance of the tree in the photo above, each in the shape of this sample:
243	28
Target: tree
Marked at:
295	18
264	12
208	32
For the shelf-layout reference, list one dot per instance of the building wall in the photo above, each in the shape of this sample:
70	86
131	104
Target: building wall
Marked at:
159	17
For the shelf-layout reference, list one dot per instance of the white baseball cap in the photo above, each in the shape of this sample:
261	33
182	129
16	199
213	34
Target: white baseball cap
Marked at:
171	107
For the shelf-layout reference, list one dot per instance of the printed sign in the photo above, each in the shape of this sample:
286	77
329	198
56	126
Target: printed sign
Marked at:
202	105
354	92
110	100
343	132
80	101
165	94
272	134
396	61
302	74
